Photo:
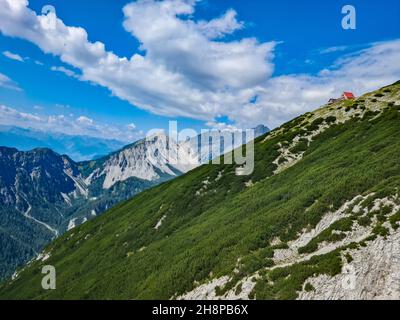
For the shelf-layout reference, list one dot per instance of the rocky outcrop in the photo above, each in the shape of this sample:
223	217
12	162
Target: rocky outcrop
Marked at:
374	273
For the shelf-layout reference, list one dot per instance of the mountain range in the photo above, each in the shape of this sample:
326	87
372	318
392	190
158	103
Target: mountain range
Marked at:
78	148
318	218
43	194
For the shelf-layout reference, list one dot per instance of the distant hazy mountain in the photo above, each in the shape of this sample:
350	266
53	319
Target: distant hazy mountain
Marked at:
43	193
78	148
260	130
213	143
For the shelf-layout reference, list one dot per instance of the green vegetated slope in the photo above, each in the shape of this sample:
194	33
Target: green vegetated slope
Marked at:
211	218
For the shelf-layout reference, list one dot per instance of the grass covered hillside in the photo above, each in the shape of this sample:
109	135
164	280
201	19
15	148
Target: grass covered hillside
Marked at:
323	195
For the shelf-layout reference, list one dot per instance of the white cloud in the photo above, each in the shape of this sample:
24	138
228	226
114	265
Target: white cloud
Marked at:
13	56
219	27
64	70
10	113
185	47
7	83
285	97
85	121
183	72
214	125
189	69
333	49
131	126
66	124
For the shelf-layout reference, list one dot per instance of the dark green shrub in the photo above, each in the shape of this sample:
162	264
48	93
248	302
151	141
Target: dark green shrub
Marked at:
348	257
330	119
380	230
364	221
281	160
394	219
315	124
309	287
300	147
282	245
371	114
238	289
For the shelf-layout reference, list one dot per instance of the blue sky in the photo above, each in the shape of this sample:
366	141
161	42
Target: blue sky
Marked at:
235	63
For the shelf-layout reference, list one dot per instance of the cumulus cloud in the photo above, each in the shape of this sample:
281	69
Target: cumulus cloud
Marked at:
189	68
214	125
66	124
7	83
183	72
219	27
185	47
13	56
285	97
